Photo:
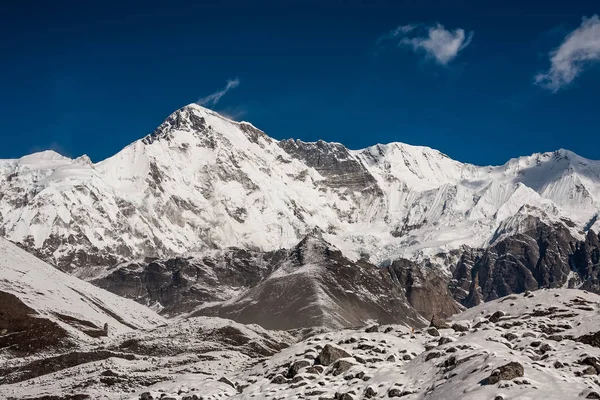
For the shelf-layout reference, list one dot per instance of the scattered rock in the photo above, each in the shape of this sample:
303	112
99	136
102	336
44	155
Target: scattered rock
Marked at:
297	366
438	323
279	380
433	354
506	372
444	340
330	354
372	329
227	381
460	327
315	370
495	317
433	331
342	365
370	392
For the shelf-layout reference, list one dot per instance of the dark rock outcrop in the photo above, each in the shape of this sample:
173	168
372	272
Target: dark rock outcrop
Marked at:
506	372
542	256
24	332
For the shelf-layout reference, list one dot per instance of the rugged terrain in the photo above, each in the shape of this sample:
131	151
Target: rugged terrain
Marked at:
246	267
529	346
205	214
201	181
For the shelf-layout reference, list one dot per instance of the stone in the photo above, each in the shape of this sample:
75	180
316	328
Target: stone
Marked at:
227	381
438	323
330	354
372	329
495	317
342	365
297	366
544	348
314	370
433	354
444	340
279	380
146	396
460	327
506	372
433	331
370	393
394	392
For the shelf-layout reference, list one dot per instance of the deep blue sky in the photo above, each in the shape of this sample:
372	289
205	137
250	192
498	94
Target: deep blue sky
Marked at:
91	78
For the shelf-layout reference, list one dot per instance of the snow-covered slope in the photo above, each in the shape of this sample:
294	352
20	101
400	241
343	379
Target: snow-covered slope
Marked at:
544	345
201	181
34	294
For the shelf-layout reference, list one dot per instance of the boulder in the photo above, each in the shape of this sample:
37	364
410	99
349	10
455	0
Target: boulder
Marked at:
506	372
495	317
342	365
297	366
433	331
444	339
460	326
330	354
438	323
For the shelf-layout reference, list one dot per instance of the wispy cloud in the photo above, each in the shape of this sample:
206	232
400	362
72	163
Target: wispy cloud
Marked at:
435	41
579	49
233	113
214	98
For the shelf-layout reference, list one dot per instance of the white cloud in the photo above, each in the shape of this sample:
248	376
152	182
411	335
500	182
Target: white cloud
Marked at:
216	96
580	48
441	44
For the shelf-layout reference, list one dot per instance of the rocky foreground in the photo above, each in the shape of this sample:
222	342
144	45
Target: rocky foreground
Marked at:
538	345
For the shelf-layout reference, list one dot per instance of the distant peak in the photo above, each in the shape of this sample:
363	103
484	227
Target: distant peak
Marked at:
84	160
46	155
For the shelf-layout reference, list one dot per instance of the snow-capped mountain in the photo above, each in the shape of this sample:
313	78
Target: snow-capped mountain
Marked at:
201	181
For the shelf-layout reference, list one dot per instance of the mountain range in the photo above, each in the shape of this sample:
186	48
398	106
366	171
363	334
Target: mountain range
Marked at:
209	260
205	215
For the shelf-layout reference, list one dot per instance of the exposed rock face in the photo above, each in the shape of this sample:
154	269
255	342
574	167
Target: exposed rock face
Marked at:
586	262
23	332
312	284
333	160
426	288
180	284
315	285
542	256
